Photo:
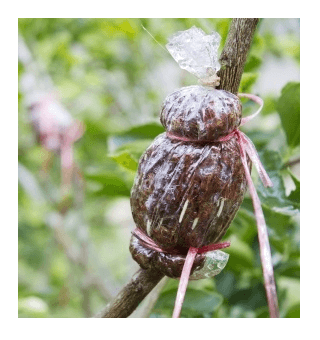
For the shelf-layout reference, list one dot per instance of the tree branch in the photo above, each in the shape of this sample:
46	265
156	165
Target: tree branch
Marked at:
291	163
146	307
232	60
141	284
234	54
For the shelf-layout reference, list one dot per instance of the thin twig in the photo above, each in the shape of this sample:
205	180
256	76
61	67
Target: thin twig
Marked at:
291	163
234	53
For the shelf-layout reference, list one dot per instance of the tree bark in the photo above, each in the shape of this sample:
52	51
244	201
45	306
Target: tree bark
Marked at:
232	60
145	309
234	54
141	284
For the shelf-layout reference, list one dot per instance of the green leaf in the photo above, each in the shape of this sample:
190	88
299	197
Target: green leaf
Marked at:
237	311
251	298
226	283
279	222
294	311
126	160
270	105
136	148
247	80
292	287
144	131
288	107
275	197
33	307
197	303
241	254
295	194
243	223
127	155
271	160
260	138
289	268
113	184
253	63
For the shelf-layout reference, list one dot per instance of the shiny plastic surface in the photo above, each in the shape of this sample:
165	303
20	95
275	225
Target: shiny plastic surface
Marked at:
195	51
214	262
201	113
190	185
205	265
186	194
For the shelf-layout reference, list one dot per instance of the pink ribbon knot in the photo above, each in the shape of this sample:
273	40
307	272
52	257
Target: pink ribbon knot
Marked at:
246	147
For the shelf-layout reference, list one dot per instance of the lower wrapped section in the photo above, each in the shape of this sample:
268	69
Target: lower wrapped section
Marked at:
205	265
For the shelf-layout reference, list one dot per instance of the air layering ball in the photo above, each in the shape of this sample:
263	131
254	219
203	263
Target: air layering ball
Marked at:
189	185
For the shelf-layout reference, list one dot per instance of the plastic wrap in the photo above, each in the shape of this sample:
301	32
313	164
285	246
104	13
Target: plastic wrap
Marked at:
196	51
189	183
205	265
201	113
186	194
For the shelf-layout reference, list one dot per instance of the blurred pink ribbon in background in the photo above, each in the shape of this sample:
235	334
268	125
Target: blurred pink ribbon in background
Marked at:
57	132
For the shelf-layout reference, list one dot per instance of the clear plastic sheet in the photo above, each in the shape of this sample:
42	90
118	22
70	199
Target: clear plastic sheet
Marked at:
205	265
196	51
214	262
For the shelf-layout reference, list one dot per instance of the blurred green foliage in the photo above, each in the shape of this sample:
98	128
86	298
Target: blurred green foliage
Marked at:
112	76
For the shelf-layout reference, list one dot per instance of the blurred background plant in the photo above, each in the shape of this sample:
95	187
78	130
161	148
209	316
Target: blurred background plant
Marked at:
105	80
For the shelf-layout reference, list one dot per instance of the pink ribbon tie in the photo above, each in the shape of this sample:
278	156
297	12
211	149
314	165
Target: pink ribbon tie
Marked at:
246	148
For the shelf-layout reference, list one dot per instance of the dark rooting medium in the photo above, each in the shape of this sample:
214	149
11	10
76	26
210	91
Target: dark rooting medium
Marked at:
201	113
169	264
188	189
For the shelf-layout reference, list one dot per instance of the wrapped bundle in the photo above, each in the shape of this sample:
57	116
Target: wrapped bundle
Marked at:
191	181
